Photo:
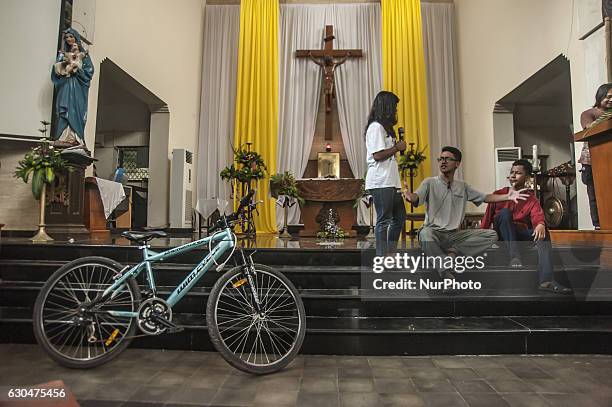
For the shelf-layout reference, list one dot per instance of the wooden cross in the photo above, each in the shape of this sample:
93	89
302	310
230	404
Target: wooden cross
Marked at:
329	59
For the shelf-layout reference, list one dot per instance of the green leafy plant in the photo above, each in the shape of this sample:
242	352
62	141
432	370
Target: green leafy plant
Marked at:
411	159
249	165
42	163
284	183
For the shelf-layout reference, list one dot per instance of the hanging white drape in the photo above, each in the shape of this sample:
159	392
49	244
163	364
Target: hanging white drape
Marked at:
299	91
217	106
442	85
357	82
357	26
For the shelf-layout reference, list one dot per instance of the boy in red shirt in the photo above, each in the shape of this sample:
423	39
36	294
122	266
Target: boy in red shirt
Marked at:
523	221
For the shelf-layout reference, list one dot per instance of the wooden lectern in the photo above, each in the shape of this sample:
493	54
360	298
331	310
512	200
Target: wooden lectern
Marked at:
599	138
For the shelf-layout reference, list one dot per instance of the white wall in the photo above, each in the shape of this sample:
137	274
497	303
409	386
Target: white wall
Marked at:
159	43
501	43
28	48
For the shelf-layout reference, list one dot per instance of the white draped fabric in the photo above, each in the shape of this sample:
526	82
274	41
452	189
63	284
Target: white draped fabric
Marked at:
357	82
357	26
299	92
442	85
218	100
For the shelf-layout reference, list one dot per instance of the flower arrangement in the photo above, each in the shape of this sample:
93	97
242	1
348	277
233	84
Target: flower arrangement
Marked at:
249	165
411	159
43	163
329	229
284	184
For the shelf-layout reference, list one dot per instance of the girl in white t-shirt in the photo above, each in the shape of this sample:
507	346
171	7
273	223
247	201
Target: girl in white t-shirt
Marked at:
382	179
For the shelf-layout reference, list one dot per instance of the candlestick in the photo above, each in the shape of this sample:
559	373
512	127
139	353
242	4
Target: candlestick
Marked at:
535	161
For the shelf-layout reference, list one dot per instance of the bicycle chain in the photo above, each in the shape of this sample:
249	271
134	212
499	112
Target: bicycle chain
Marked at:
180	329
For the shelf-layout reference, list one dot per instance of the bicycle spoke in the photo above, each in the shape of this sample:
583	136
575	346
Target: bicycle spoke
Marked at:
67	331
257	338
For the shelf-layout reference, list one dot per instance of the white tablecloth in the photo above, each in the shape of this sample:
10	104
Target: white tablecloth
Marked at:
112	194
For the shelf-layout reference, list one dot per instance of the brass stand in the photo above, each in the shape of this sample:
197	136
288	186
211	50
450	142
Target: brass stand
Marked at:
42	235
285	234
371	234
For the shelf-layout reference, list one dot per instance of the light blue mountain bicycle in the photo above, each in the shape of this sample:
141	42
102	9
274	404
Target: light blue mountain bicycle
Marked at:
88	311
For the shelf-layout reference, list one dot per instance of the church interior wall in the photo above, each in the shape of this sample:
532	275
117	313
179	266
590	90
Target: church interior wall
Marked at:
122	121
502	43
159	43
27	32
541	125
18	209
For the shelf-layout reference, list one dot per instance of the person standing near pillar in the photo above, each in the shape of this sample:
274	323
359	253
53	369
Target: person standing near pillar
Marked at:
383	179
603	102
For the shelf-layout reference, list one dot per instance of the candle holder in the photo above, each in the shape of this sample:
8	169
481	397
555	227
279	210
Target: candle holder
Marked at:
370	204
408	164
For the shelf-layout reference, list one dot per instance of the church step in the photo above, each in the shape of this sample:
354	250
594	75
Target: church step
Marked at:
351	303
494	280
20	250
400	336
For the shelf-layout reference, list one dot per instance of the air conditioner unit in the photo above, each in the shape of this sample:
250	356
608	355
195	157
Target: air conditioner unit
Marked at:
504	157
181	189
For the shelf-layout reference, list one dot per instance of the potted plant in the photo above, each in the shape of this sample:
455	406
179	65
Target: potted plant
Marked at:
248	166
42	163
284	184
411	159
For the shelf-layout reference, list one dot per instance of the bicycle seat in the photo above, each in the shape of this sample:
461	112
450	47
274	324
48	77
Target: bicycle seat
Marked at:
142	237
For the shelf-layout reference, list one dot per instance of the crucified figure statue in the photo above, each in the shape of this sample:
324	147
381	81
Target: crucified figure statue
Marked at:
329	65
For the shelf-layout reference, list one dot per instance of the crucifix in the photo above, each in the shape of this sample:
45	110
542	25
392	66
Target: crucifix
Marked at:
329	59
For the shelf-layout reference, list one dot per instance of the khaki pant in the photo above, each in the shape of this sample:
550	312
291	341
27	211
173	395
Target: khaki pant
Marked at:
467	242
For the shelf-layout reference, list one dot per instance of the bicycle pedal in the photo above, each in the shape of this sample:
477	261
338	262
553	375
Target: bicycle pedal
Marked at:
175	329
169	325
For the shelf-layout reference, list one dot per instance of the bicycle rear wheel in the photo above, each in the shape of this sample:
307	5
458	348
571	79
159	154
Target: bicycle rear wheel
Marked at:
83	339
256	342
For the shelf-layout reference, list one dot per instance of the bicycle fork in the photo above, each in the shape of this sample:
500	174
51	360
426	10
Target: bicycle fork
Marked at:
249	272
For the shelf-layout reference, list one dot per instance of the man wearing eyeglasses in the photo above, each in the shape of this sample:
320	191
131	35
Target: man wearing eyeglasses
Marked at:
445	198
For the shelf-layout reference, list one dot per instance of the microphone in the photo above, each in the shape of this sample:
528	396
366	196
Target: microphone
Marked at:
400	136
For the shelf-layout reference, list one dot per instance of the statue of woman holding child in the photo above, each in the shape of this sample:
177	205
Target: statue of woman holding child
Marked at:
71	76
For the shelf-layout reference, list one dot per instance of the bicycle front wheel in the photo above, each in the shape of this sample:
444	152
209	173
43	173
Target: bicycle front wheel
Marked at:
257	342
79	338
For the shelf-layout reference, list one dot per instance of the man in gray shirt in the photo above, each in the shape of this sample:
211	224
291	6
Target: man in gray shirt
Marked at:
445	198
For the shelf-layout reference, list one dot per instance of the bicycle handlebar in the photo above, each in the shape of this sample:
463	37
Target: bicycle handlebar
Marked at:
226	221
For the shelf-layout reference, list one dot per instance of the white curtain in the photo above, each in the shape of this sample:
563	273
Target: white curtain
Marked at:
357	26
442	85
217	106
357	82
300	87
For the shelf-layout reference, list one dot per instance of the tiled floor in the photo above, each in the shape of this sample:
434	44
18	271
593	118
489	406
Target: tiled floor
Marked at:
172	378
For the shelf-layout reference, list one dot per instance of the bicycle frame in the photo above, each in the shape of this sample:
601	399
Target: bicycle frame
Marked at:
226	242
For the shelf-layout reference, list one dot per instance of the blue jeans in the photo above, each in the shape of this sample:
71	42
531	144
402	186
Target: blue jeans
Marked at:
507	232
390	219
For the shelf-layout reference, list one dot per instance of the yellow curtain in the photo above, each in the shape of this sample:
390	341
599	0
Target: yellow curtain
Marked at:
404	72
257	94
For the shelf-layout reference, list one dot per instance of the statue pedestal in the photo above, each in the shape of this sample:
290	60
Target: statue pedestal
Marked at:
65	205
